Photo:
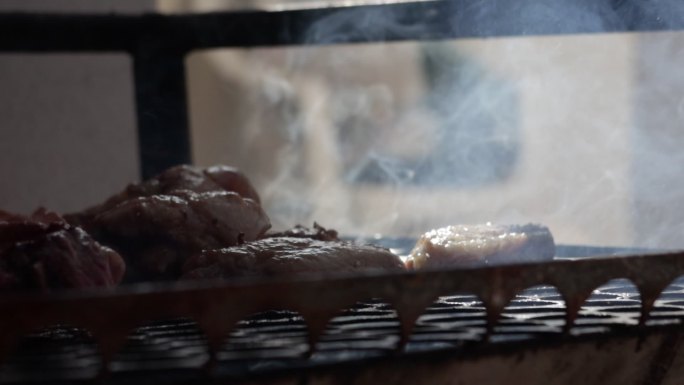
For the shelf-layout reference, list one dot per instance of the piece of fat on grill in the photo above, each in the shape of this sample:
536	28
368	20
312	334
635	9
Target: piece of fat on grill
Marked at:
480	245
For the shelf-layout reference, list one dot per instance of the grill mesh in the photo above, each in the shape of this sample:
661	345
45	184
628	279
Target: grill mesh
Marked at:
174	350
278	339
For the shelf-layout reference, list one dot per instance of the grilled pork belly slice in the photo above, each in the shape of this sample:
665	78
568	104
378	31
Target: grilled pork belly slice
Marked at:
285	256
43	251
477	245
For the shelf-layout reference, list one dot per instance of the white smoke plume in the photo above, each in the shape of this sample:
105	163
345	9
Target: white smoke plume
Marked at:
579	132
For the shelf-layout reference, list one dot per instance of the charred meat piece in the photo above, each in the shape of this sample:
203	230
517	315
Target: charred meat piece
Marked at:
178	178
285	256
158	233
477	245
318	232
43	251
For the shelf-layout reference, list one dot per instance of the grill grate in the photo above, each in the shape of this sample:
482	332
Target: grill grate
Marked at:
278	339
175	350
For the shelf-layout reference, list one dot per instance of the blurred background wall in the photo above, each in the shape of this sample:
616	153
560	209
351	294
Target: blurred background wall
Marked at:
67	123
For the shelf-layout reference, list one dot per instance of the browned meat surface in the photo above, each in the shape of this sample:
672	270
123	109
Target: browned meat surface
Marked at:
158	233
477	245
43	251
157	224
318	232
178	178
285	256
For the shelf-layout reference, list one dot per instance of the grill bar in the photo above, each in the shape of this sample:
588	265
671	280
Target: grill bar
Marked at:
231	330
421	20
274	343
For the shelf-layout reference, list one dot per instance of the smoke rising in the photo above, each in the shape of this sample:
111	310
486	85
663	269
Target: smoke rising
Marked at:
578	132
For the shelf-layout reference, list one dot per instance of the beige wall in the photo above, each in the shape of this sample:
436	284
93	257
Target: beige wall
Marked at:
67	123
67	132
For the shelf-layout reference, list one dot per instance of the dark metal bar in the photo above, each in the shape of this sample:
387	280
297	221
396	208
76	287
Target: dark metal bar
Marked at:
31	32
161	106
445	19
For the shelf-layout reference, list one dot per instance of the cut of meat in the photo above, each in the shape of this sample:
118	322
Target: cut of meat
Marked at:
318	232
178	178
230	179
286	256
477	245
157	224
43	251
157	233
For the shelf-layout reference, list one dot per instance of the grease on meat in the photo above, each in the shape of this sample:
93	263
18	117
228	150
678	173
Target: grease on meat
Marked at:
317	232
286	256
477	245
157	233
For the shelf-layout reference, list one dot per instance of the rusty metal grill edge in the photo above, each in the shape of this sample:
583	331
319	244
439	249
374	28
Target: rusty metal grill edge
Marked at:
114	318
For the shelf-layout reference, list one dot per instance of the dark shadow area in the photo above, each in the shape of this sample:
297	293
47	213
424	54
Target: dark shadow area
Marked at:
60	352
172	344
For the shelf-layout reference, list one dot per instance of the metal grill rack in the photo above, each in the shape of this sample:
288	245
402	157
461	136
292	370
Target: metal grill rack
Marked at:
276	341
